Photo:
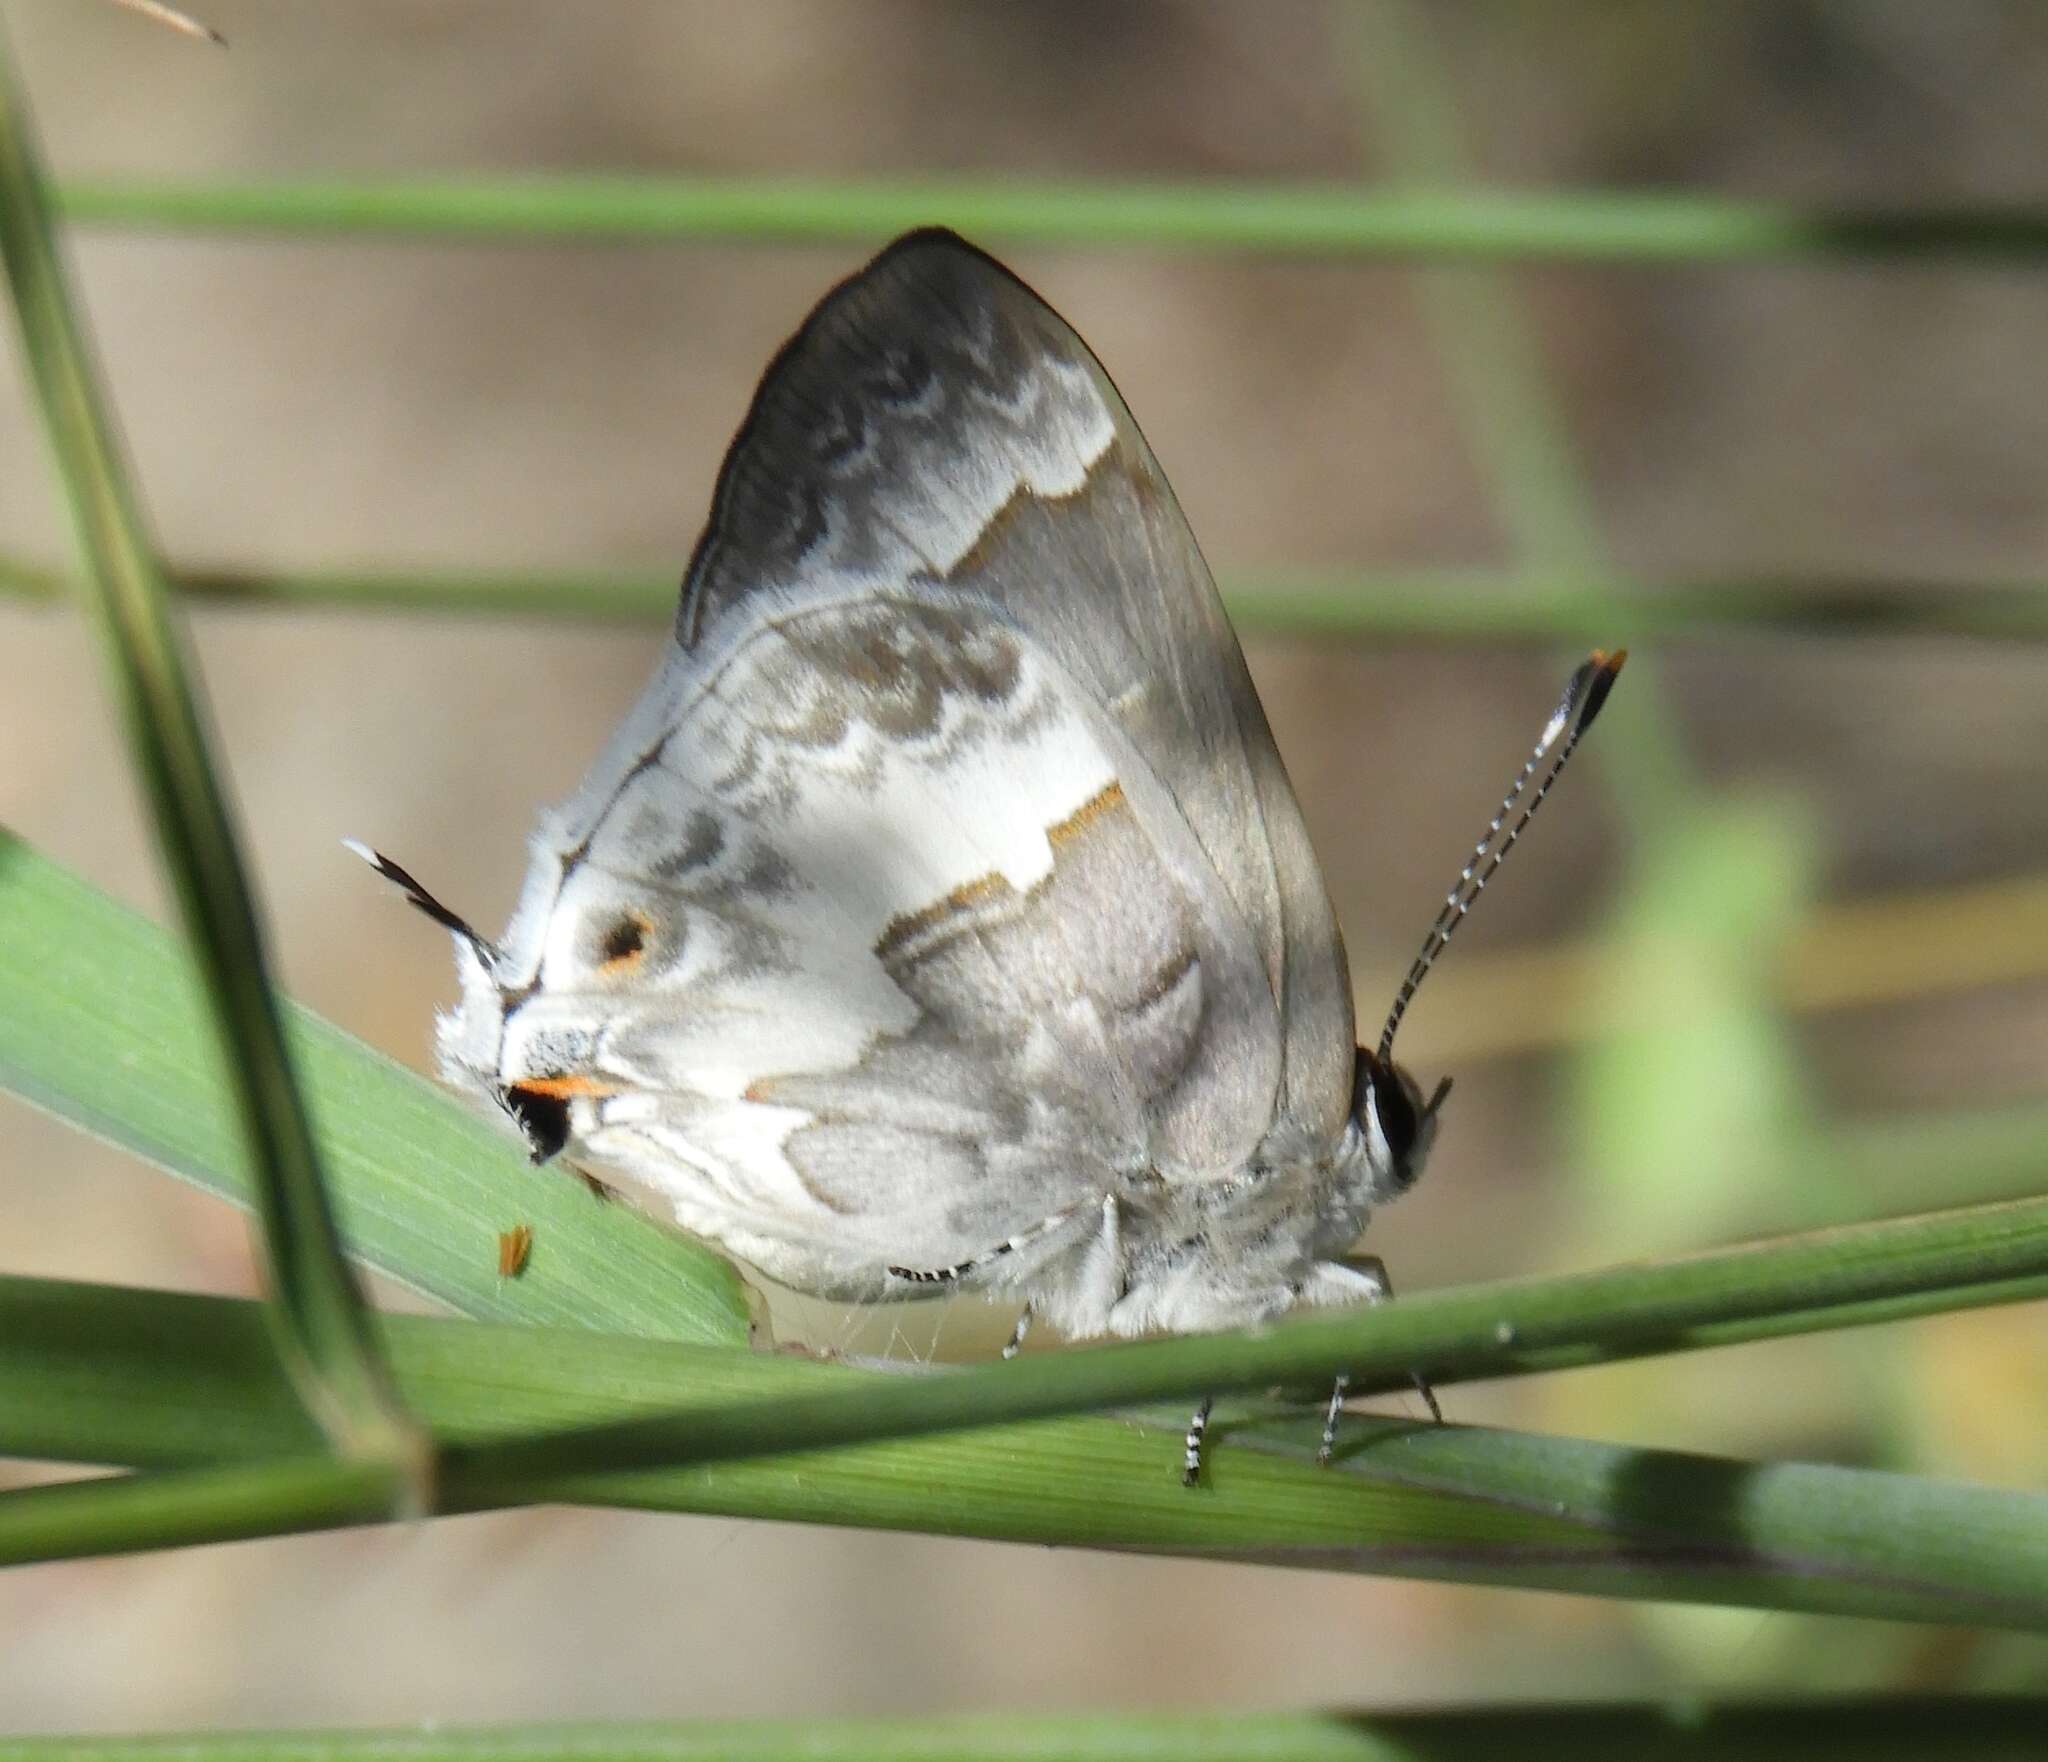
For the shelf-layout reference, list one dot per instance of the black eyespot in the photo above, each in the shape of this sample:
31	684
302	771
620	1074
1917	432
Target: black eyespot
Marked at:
544	1118
624	941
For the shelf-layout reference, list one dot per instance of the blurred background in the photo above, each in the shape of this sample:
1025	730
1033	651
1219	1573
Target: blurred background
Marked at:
1776	957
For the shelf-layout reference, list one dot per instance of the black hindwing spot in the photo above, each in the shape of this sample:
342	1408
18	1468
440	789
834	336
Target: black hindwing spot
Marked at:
544	1118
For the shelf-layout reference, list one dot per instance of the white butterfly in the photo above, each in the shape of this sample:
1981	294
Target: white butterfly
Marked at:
941	917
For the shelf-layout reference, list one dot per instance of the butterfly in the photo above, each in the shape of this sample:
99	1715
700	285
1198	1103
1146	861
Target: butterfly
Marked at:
941	916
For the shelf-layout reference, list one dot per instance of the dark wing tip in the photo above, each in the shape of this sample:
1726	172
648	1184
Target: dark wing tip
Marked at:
916	288
937	243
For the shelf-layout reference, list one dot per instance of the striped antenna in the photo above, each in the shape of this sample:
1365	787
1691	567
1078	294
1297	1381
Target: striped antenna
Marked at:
1584	693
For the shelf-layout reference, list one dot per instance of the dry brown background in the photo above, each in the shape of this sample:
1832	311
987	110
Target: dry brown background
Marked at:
309	403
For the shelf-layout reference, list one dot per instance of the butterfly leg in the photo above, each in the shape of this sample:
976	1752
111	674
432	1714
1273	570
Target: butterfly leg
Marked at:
1377	1287
1331	1414
1016	1340
1191	1458
959	1270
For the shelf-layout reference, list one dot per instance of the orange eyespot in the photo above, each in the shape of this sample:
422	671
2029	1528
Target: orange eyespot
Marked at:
514	1245
624	943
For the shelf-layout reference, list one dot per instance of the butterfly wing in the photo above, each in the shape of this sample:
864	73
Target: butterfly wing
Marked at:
946	878
936	420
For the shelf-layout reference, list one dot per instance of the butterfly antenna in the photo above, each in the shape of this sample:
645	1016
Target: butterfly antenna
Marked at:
1584	694
486	950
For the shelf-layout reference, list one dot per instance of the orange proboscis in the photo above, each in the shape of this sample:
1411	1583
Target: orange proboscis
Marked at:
566	1086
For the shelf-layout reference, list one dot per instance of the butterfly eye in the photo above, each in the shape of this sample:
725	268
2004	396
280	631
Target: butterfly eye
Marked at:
1399	1122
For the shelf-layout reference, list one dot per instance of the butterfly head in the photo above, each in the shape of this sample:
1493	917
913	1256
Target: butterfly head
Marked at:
471	1038
525	1051
1397	1124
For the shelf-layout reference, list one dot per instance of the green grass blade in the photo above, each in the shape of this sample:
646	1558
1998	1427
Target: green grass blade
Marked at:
103	1024
322	1319
187	1386
1450	606
1921	1728
130	1514
89	1375
1302	219
1520	1327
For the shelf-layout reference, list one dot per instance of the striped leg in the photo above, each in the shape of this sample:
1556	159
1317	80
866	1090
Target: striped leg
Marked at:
1330	1416
1375	1271
959	1270
1191	1460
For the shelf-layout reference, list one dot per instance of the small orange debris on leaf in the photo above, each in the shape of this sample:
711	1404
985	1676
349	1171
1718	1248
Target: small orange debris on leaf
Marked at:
514	1245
